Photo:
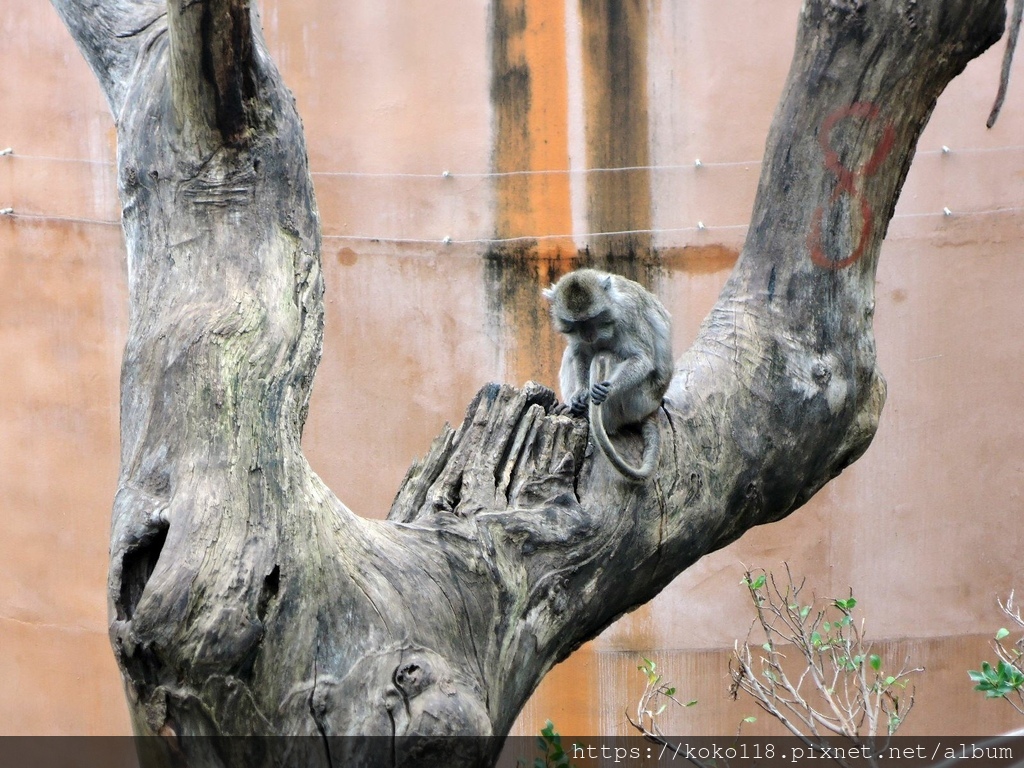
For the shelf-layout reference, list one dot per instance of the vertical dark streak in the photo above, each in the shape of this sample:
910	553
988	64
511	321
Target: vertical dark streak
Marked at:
615	80
227	60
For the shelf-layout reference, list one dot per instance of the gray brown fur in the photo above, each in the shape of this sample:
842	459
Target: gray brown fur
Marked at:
613	323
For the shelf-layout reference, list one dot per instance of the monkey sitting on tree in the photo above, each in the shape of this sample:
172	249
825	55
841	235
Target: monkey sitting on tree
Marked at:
619	359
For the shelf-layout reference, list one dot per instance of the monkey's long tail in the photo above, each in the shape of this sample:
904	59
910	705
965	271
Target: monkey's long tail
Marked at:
652	444
650	431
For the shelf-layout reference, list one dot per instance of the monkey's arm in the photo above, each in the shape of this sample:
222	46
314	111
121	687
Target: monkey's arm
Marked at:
573	379
627	376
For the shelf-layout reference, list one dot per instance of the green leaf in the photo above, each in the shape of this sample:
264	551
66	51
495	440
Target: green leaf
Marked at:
804	611
758	582
894	722
750	719
670	691
649	669
875	661
1009	675
1003	632
691	703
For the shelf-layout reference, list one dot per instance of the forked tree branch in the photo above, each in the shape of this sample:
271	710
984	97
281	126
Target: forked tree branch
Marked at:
249	600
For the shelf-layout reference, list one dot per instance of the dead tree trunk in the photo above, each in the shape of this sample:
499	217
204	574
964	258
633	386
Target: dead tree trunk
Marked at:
246	599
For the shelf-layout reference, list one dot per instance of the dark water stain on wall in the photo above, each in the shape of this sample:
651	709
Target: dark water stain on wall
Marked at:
513	282
616	118
511	86
529	95
699	259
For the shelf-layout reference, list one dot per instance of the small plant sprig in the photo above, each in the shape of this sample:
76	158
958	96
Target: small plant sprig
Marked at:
549	744
839	689
1005	680
651	706
651	703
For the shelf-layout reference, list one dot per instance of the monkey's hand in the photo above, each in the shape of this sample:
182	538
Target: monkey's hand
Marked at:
599	392
579	404
576	407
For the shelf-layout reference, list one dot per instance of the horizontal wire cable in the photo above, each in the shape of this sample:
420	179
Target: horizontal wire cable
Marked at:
538	172
696	165
450	174
52	159
10	213
13	214
532	238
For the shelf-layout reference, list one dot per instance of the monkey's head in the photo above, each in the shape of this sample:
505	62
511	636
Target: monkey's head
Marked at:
582	305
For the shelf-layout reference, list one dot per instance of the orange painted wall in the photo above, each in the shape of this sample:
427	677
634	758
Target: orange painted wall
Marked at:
392	96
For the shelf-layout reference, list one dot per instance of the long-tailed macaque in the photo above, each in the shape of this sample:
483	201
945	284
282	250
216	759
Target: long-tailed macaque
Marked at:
618	363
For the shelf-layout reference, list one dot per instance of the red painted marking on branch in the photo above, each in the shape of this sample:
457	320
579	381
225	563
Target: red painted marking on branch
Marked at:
846	182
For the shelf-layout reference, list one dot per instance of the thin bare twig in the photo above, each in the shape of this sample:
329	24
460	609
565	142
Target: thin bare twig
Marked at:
1011	655
841	690
1004	76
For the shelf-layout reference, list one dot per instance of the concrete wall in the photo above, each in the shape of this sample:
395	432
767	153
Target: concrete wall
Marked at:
393	94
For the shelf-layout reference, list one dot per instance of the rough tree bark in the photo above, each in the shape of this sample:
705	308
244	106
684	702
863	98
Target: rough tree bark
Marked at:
246	599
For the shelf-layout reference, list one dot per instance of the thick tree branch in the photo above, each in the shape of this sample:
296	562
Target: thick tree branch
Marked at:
110	34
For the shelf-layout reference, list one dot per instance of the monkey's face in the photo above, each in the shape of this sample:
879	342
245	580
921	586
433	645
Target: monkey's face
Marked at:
582	307
592	331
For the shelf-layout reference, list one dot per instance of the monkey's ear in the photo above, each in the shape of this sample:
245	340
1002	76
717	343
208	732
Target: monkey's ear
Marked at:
606	282
548	293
